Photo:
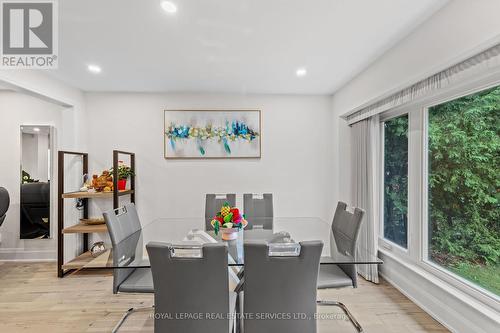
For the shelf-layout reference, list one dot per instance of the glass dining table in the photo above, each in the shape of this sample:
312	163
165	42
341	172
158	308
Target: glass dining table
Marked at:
188	234
131	251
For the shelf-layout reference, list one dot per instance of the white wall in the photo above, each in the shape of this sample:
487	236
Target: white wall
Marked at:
447	37
457	31
18	109
296	164
38	84
452	34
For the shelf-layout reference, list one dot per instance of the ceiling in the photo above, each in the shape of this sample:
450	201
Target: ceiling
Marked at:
239	46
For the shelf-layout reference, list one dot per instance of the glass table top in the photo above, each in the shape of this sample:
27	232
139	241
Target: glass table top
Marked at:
131	252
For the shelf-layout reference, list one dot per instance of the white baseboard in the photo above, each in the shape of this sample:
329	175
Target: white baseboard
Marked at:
8	254
416	301
446	305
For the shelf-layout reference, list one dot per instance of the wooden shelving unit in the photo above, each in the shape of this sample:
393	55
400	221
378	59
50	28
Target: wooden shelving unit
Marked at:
90	195
82	228
85	259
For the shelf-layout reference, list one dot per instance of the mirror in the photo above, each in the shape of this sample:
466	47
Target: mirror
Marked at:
36	172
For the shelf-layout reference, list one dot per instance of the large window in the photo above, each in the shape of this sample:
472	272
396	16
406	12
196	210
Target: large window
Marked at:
464	187
396	180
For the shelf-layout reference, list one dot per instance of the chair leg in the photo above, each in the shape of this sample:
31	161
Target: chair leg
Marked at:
240	322
241	273
346	311
128	313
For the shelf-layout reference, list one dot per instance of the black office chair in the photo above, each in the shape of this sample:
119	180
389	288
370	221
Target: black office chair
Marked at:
4	204
35	210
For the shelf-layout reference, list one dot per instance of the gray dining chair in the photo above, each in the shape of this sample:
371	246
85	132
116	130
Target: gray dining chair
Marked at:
271	238
125	232
213	204
258	210
191	284
202	237
343	239
280	278
4	204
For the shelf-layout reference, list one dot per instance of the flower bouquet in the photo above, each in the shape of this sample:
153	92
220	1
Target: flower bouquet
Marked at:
228	221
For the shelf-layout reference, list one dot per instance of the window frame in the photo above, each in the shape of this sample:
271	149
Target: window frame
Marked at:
454	279
417	251
384	242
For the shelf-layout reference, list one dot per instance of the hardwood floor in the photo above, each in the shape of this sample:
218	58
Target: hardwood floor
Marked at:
33	299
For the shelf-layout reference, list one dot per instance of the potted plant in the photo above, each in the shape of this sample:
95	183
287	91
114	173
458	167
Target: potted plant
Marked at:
228	221
124	172
26	178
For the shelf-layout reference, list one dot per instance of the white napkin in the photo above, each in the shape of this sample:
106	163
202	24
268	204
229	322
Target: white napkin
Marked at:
200	236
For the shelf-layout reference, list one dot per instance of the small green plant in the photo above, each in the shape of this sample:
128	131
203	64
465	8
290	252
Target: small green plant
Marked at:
26	178
124	172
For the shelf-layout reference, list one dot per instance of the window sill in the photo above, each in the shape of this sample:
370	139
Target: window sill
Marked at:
391	247
462	284
486	304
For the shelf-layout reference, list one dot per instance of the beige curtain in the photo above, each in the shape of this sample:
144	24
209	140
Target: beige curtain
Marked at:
365	166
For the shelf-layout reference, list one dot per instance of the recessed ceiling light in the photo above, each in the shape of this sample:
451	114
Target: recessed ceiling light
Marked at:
36	129
169	7
94	69
300	72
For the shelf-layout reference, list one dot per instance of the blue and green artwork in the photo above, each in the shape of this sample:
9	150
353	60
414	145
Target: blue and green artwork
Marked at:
212	134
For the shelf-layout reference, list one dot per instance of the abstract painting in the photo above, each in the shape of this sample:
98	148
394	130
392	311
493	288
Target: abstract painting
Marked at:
212	134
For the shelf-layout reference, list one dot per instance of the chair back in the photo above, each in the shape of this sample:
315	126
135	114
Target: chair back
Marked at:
35	194
345	228
258	210
4	203
344	236
122	222
35	208
190	285
213	204
281	282
124	230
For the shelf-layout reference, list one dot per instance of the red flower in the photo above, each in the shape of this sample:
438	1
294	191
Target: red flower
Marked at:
236	214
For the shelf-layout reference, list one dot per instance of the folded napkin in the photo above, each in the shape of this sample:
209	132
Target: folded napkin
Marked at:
200	236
